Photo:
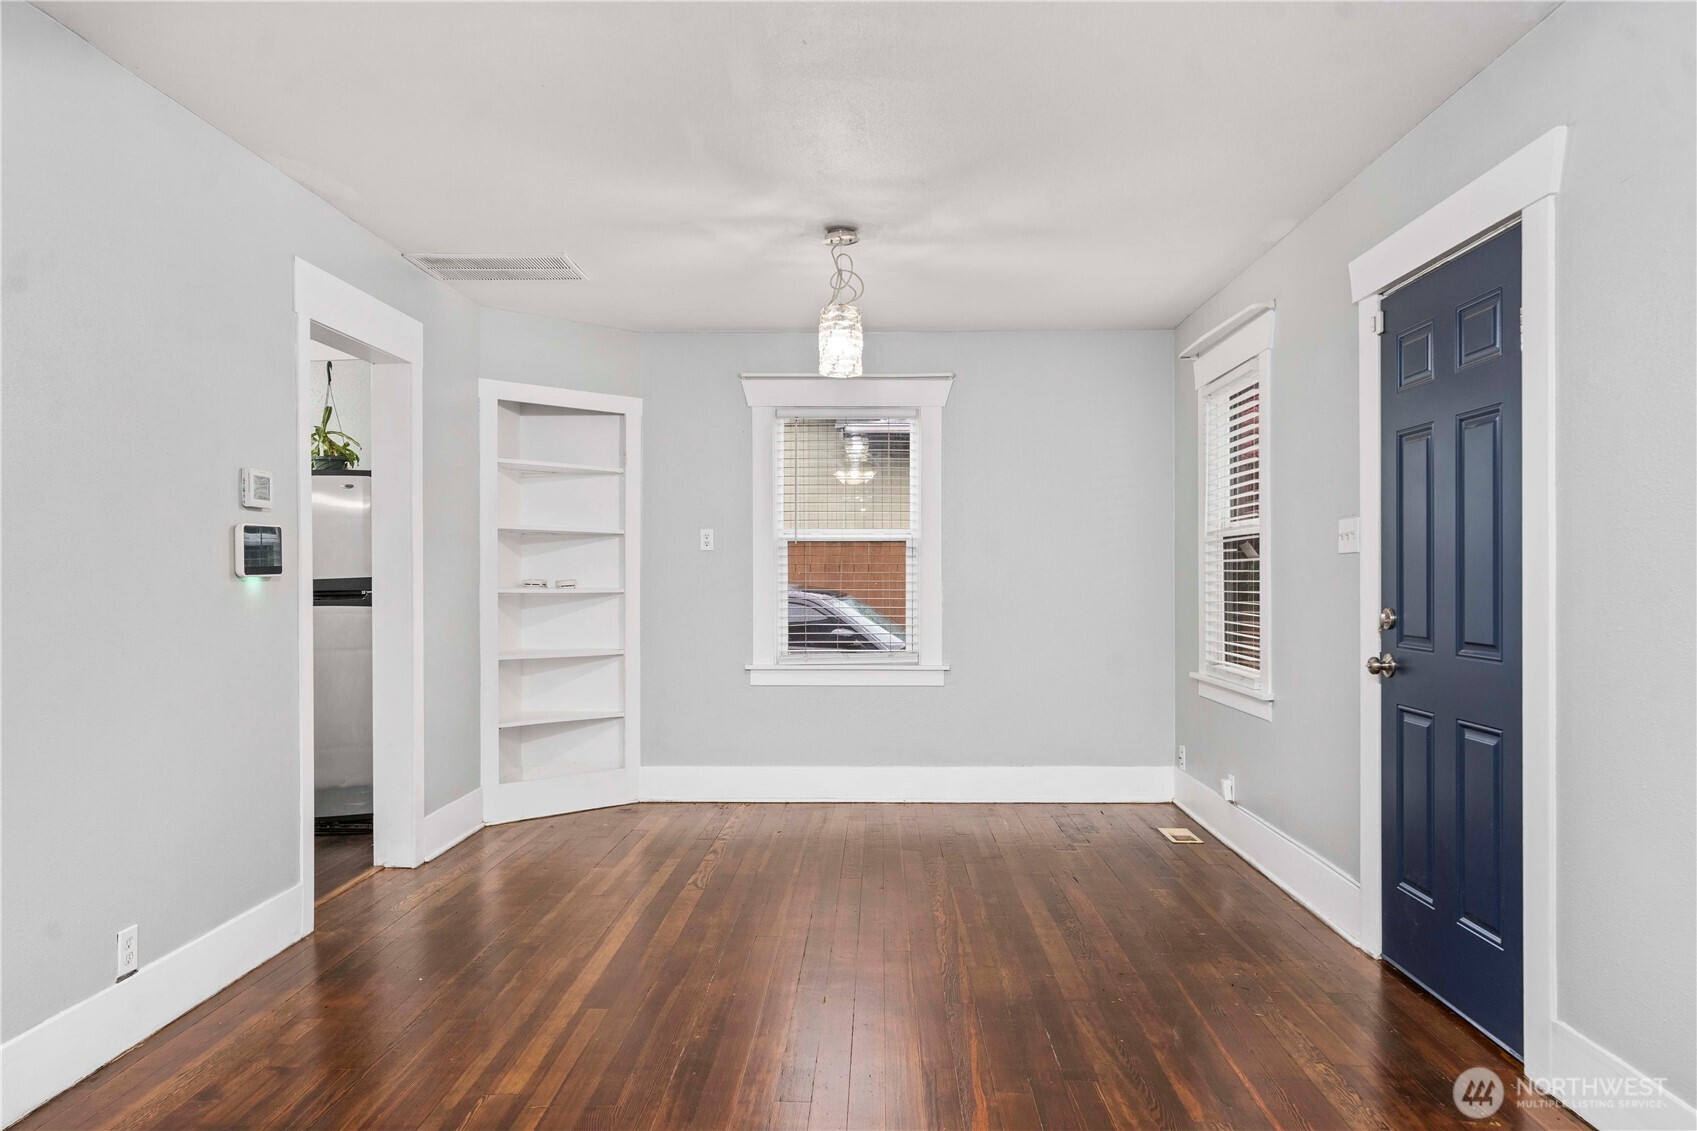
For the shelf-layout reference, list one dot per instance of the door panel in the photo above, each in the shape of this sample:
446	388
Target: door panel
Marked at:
1480	846
1479	593
1414	356
1414	535
1450	405
1414	762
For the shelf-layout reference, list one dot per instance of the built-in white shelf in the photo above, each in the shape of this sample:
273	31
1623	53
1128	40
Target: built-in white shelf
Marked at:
581	591
543	718
560	531
561	478
548	467
519	655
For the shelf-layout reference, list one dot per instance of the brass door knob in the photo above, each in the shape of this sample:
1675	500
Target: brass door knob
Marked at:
1384	665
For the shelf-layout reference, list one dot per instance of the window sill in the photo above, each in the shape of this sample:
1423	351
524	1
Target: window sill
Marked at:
1250	702
846	675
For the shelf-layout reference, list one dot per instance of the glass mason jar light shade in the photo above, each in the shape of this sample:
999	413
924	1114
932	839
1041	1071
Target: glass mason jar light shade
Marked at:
839	341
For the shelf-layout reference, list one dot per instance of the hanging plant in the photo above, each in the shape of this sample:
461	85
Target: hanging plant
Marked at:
332	449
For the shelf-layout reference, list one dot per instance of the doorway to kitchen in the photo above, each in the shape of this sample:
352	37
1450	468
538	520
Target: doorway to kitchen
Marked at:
360	583
338	449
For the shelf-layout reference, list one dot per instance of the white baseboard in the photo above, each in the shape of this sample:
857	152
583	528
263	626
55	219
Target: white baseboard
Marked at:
447	826
1604	1090
38	1064
907	783
1309	878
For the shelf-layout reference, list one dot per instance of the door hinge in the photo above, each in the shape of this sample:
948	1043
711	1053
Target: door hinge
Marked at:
1522	319
1378	322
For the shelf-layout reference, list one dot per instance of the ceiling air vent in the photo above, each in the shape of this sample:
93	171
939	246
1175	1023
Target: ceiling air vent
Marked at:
496	268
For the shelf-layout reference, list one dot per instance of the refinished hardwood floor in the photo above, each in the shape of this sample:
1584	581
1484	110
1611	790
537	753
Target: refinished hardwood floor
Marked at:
339	861
864	966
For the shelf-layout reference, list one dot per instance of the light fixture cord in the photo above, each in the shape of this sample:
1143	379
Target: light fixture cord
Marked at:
845	278
330	394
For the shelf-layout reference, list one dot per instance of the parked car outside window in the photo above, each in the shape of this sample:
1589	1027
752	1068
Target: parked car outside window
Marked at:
824	621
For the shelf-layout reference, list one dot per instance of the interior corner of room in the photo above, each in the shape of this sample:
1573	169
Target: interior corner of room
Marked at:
938	546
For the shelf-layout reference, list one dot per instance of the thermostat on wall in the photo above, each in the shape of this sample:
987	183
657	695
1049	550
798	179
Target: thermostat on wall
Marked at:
256	489
258	550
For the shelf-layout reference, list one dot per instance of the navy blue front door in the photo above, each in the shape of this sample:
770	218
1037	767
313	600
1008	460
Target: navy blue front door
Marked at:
1450	404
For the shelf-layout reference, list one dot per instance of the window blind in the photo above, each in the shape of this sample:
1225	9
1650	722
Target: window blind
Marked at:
1231	542
846	521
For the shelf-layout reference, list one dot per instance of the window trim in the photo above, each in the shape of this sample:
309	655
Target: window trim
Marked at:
1219	359
922	396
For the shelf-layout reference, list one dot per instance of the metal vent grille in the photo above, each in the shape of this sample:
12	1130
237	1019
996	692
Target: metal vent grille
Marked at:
496	268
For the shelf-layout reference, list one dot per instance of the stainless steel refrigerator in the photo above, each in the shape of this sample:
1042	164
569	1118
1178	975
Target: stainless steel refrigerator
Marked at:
341	648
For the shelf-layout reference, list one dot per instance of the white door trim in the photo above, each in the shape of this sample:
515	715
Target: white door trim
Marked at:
395	345
1525	184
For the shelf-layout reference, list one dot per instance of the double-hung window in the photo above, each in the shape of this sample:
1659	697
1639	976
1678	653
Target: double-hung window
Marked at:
847	538
1233	365
847	533
1231	529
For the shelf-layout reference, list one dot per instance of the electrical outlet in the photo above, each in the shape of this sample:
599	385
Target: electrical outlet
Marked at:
1228	788
128	963
706	538
1181	757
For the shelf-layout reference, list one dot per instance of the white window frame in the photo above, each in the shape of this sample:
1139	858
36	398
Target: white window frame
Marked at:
1230	353
771	396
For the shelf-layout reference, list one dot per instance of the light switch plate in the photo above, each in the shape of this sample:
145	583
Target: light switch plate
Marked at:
1349	535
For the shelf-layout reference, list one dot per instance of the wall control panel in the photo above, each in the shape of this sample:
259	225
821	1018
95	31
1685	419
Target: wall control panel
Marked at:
258	550
256	489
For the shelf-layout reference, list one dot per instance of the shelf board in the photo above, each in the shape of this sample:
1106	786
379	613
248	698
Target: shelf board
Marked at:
521	654
580	591
542	718
560	531
548	467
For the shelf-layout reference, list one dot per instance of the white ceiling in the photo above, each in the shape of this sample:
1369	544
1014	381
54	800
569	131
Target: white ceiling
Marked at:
1010	165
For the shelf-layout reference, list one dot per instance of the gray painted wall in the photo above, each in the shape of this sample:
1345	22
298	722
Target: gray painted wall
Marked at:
549	351
1621	77
149	353
1057	481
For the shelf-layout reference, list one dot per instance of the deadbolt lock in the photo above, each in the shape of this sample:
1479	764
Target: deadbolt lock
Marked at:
1387	619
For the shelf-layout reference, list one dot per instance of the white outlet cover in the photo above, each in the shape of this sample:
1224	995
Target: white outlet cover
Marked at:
128	957
1349	535
706	538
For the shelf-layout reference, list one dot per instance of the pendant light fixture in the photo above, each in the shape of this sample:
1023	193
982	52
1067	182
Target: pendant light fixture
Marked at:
839	322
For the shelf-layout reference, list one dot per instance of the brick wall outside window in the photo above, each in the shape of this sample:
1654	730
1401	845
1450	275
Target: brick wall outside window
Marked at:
875	572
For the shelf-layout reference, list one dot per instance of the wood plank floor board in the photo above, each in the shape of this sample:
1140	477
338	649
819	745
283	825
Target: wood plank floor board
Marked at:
810	965
339	859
